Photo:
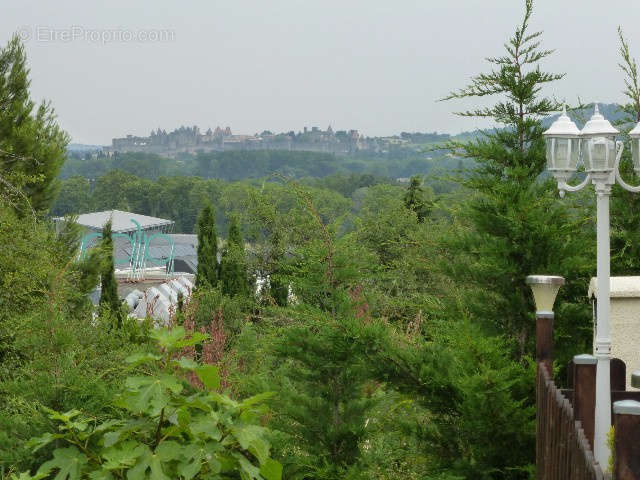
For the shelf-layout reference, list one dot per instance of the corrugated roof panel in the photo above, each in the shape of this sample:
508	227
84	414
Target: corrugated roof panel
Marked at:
120	221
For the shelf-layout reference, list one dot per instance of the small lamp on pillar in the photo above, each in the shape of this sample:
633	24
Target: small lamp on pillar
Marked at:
544	288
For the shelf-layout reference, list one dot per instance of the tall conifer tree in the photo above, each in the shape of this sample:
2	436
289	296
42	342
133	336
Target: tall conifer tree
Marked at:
109	287
32	145
415	199
319	373
279	287
625	206
514	224
207	248
233	268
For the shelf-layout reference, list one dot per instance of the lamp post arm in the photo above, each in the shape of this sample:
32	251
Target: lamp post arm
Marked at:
622	183
563	186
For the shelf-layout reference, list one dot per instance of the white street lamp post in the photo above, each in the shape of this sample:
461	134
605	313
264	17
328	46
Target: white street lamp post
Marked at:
596	146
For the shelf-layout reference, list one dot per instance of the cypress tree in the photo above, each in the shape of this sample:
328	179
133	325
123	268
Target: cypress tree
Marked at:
109	287
279	287
207	248
414	199
32	145
233	269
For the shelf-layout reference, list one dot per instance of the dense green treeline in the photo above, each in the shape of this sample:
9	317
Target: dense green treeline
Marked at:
181	198
238	165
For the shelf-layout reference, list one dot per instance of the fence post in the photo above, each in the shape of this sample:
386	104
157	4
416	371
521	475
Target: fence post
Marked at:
544	340
627	440
618	375
544	353
584	392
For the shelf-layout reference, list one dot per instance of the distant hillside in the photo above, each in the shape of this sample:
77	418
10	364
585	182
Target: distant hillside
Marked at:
399	157
80	147
611	111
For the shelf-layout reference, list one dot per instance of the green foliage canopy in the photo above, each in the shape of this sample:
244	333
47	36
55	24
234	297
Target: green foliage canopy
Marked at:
109	300
233	267
32	145
207	248
164	429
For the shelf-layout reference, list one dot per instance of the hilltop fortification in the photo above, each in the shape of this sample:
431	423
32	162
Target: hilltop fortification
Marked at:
190	139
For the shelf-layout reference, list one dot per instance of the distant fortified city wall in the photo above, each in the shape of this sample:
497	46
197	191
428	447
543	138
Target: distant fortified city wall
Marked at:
191	140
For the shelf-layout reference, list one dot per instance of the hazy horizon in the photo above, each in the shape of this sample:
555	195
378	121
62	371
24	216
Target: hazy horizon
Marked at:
372	66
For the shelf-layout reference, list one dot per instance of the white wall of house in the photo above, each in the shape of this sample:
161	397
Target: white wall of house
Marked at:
624	321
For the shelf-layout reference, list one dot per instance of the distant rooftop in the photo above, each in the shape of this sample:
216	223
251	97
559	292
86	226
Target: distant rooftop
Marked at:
121	221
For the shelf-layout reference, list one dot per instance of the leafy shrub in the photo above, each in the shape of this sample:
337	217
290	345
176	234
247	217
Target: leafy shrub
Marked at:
163	427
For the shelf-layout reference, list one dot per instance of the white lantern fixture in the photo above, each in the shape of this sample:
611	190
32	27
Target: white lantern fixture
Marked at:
563	147
600	154
598	144
544	288
635	148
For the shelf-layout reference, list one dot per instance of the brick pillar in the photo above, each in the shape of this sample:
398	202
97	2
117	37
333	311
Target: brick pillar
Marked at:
627	440
584	392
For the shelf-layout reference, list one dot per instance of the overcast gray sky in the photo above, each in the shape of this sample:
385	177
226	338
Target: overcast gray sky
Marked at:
374	65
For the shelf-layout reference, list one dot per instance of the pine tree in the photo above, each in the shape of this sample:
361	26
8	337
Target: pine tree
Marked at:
207	248
322	402
32	145
415	200
514	224
233	268
318	371
629	67
471	411
109	300
279	288
625	206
